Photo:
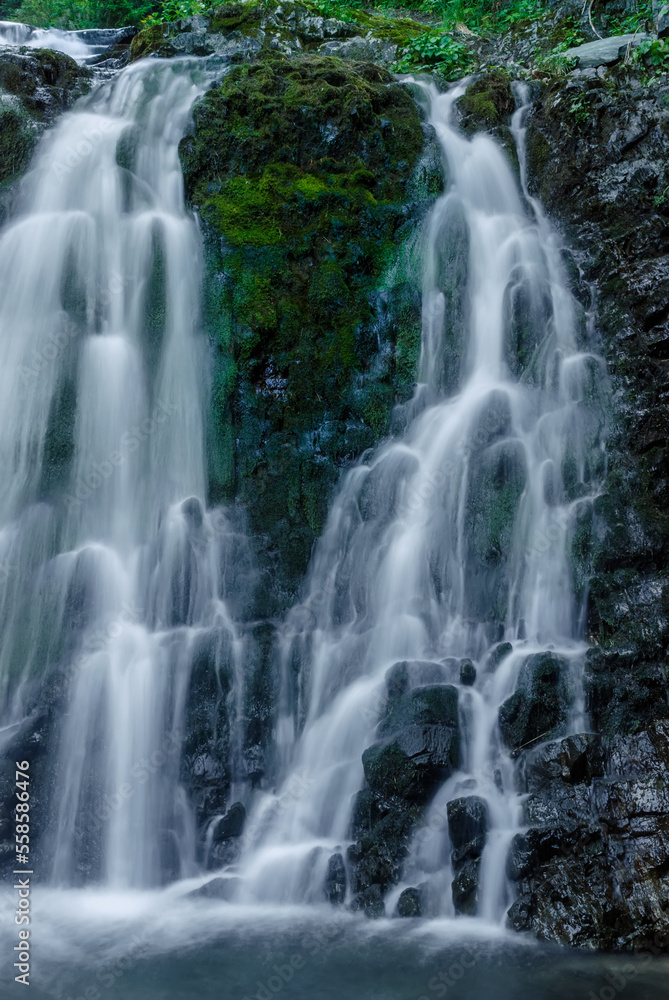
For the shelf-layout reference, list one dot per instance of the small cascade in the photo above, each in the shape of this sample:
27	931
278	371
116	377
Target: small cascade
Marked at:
115	589
452	572
84	46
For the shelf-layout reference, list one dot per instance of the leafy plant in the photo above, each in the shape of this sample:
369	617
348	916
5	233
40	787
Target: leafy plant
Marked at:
653	55
435	51
579	108
660	199
175	10
634	21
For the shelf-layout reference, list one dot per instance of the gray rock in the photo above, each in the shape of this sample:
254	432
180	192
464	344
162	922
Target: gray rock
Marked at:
410	903
605	51
335	880
217	888
468	822
467	673
361	50
539	706
663	21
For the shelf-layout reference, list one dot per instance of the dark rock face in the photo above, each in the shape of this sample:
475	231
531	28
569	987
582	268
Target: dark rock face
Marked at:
410	903
306	173
35	87
335	880
468	822
603	173
419	750
593	869
540	703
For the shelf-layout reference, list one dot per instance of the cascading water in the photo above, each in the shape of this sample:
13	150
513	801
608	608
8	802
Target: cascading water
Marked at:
83	46
113	581
450	539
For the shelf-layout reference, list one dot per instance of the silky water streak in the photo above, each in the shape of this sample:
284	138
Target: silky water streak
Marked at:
451	538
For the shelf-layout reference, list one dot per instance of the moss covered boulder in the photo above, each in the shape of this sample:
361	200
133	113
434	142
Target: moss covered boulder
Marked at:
305	174
35	87
539	706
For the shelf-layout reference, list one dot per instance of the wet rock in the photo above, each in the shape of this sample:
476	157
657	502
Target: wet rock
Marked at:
496	483
467	673
487	105
275	160
35	87
335	880
410	903
232	824
435	705
413	763
593	867
217	888
370	901
468	822
374	50
539	706
498	654
205	755
465	887
413	673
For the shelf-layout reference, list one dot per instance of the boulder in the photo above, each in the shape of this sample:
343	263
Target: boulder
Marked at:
539	707
335	880
410	903
605	51
468	822
467	673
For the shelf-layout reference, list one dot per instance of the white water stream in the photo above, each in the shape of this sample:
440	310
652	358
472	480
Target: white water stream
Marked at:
448	540
113	567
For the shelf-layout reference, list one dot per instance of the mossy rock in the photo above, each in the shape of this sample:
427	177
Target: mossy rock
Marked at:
539	707
35	87
487	106
301	170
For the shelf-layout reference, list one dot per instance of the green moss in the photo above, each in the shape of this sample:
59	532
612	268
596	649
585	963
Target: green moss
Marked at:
16	143
300	169
149	41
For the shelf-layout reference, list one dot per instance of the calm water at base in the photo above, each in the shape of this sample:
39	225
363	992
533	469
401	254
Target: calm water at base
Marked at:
157	946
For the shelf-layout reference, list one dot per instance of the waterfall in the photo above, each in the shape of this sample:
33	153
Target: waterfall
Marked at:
113	567
457	541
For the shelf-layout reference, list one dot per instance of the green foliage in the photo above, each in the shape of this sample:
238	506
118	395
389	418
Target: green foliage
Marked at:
483	16
555	64
635	20
175	10
579	108
653	56
437	52
74	15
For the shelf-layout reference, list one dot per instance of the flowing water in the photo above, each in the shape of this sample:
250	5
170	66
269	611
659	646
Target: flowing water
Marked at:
455	536
113	568
82	45
452	537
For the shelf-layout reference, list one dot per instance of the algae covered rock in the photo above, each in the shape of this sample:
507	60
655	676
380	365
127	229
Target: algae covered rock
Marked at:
540	703
301	170
35	87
